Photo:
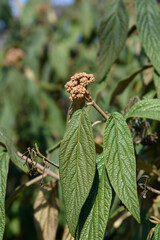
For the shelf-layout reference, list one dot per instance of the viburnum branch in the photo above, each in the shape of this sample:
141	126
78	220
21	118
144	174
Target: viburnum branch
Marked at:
92	103
77	87
43	157
39	167
97	122
19	189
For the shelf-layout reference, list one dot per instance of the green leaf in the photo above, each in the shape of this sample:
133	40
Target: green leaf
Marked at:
95	224
12	151
123	84
148	108
156	80
4	164
112	36
87	17
77	166
120	162
157	232
147	15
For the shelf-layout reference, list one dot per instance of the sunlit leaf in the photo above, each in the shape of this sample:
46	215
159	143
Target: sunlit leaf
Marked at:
123	84
148	108
121	163
4	164
112	35
46	212
148	25
77	166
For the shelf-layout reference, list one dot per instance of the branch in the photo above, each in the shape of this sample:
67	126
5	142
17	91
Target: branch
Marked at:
92	102
19	189
144	187
39	167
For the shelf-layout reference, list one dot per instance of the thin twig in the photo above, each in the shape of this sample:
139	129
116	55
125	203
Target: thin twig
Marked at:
19	189
92	102
39	167
143	186
44	158
97	122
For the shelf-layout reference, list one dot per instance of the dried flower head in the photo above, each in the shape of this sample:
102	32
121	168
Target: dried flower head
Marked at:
77	86
13	56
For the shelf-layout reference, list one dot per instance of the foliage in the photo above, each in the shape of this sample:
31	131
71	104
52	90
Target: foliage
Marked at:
96	158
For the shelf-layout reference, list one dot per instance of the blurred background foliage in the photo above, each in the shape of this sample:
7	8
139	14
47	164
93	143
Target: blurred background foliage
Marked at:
42	44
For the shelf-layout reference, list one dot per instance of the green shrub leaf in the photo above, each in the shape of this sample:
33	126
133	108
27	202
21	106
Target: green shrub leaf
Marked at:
12	151
157	232
95	224
123	84
148	25
112	36
120	162
77	166
4	163
148	108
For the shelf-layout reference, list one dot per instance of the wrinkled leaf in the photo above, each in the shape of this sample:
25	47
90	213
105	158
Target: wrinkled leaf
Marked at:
157	232
112	36
123	84
77	166
4	164
95	224
12	151
46	212
147	15
120	162
156	80
148	108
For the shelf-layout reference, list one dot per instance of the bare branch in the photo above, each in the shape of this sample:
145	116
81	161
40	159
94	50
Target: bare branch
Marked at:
39	167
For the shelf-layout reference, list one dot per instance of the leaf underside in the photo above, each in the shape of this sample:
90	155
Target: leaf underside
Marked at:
120	162
77	166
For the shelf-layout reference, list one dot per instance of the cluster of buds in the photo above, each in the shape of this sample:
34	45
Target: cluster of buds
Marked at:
77	86
13	56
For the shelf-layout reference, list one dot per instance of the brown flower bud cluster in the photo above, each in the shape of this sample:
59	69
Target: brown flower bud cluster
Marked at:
13	56
78	84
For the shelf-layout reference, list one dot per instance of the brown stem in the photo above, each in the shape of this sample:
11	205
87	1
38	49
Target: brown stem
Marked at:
143	186
39	167
92	102
27	184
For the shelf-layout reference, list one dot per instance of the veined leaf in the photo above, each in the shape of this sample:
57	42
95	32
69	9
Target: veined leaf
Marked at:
157	232
4	163
112	36
148	25
121	86
77	166
12	151
148	108
120	162
95	224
